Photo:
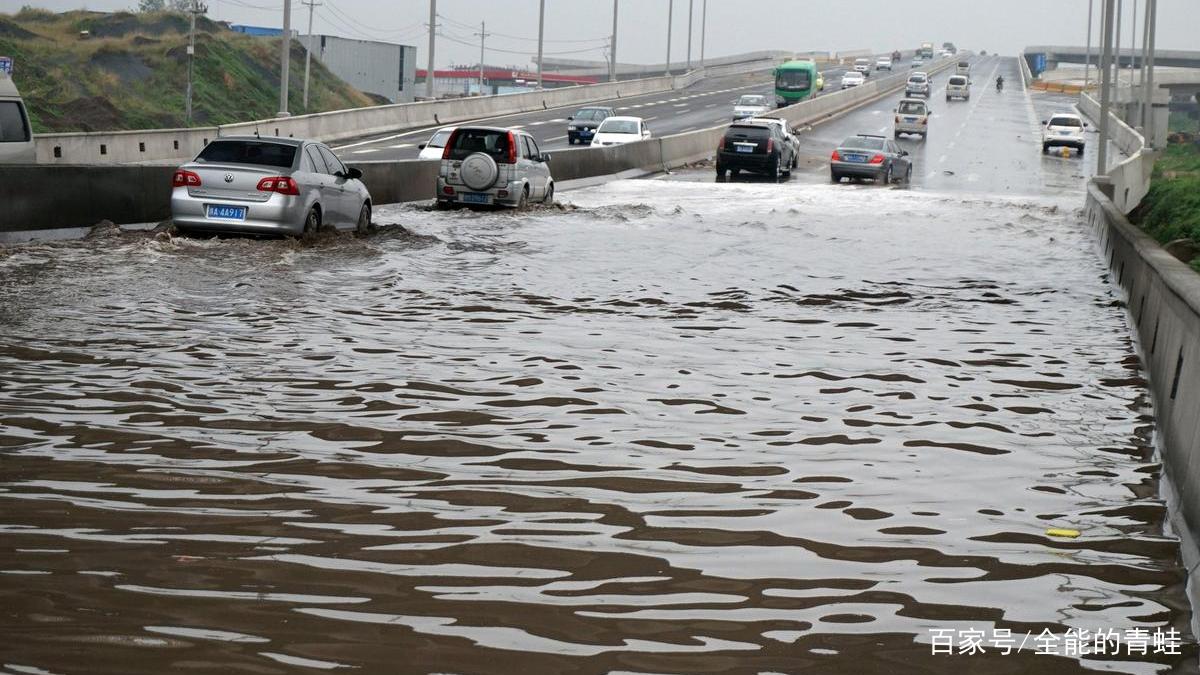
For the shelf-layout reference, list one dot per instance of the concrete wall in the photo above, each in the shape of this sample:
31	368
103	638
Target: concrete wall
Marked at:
134	194
1163	299
1129	178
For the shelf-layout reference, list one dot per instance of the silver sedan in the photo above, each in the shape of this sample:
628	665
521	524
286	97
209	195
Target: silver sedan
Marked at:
267	185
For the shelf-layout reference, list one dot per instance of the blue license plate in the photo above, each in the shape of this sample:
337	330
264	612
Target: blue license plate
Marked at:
856	158
475	198
745	148
1064	133
226	212
585	132
910	119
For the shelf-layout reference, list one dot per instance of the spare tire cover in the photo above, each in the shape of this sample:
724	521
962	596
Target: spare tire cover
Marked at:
479	171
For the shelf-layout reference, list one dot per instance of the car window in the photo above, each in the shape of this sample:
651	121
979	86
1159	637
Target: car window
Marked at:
912	108
747	132
1066	122
262	153
752	99
533	146
13	128
526	151
493	142
312	161
958	80
793	80
919	79
591	114
335	165
863	143
439	139
615	126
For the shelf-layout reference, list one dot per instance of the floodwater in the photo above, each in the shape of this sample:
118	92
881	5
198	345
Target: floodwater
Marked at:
675	427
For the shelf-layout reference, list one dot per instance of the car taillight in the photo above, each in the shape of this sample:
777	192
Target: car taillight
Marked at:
877	159
449	144
925	120
720	145
512	148
897	119
184	178
284	185
835	156
447	190
770	145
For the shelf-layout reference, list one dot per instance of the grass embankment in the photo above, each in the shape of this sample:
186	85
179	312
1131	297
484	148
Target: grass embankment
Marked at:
1171	210
132	72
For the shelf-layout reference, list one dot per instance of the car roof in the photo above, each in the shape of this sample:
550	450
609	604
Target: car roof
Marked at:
481	127
919	72
914	100
595	107
270	139
623	118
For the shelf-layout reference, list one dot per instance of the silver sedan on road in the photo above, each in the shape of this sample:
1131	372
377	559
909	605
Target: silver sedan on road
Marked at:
268	185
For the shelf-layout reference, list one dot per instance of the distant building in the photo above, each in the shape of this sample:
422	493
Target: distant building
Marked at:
256	31
465	81
381	68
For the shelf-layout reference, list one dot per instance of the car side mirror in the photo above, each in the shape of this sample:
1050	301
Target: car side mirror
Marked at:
1045	122
1085	125
904	153
353	173
421	146
546	157
570	118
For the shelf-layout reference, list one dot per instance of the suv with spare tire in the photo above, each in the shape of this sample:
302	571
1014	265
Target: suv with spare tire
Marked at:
492	166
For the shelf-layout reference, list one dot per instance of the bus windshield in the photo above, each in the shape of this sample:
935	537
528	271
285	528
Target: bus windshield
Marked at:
793	80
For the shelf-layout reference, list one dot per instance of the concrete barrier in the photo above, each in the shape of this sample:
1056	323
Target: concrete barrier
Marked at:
1163	300
155	145
136	194
1129	180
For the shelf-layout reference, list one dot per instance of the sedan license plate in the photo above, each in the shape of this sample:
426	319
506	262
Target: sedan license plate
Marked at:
1064	133
476	198
226	212
910	119
745	148
856	158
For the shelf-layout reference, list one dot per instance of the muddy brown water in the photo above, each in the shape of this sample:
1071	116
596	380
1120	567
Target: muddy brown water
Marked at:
681	428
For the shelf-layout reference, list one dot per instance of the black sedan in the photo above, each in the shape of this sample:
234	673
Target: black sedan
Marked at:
867	156
759	147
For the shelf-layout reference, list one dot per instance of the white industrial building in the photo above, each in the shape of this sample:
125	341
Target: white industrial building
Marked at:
381	68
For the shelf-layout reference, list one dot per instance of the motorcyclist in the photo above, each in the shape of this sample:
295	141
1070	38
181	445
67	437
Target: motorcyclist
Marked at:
999	82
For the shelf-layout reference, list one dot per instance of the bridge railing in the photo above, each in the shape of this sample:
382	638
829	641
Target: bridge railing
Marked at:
1129	178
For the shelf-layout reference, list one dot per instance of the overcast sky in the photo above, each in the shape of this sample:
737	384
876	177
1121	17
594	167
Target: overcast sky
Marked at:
580	27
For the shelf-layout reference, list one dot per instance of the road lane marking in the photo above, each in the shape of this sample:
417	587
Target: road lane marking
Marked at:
398	146
556	138
365	151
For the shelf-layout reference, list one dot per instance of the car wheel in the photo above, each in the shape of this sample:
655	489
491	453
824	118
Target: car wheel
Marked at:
312	223
364	220
1081	150
524	201
443	205
775	171
896	134
834	178
735	172
1045	148
908	175
887	175
549	198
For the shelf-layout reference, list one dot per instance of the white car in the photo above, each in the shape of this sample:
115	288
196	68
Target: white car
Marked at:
883	64
1063	130
852	79
16	134
958	86
912	117
784	130
620	130
750	105
433	148
863	66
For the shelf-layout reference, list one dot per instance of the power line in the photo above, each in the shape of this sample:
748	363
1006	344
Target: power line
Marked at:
460	24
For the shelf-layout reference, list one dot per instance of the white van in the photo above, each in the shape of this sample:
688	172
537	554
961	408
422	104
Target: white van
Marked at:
16	135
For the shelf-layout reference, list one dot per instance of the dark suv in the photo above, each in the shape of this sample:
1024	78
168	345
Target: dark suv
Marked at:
760	148
582	125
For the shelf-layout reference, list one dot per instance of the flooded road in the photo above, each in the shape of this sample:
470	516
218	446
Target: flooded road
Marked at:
672	427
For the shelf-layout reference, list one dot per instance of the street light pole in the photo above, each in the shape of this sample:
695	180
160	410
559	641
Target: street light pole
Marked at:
703	30
432	30
194	10
1087	63
612	47
483	35
285	57
1106	35
1116	48
689	61
541	37
670	17
1148	124
1133	43
312	4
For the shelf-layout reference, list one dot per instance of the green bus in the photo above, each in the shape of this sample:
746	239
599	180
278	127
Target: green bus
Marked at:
796	81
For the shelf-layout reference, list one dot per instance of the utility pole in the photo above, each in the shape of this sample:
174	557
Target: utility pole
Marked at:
194	10
541	37
432	31
482	35
703	30
1132	44
670	19
312	4
612	46
285	49
690	3
1087	62
1148	122
1116	50
1106	42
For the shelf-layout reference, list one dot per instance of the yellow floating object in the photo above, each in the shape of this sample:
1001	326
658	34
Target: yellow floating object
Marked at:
1062	532
1066	152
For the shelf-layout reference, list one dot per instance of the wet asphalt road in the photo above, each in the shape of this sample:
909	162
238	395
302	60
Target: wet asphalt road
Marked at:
671	426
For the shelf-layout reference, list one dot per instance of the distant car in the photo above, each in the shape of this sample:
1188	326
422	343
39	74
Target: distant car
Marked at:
268	185
958	86
883	64
493	166
785	131
896	56
750	105
963	68
912	117
16	134
917	85
582	125
863	66
756	147
917	62
432	149
853	78
620	130
867	156
1063	130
